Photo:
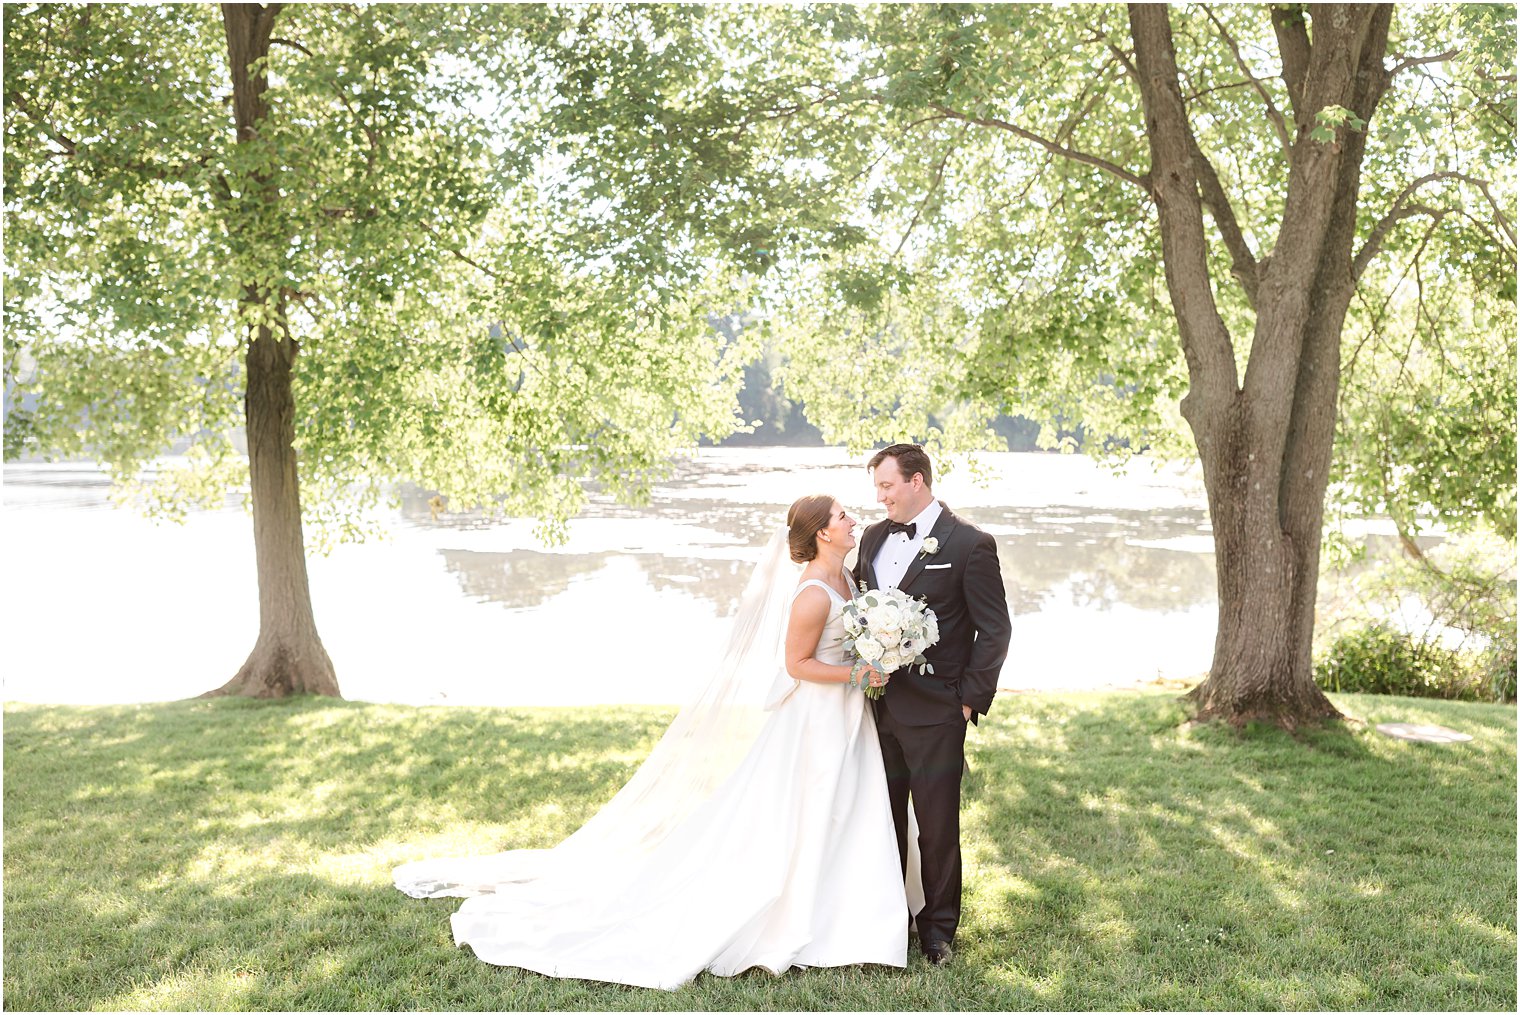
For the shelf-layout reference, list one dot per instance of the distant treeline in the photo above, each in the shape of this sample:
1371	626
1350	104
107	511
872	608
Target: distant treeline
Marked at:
784	422
781	420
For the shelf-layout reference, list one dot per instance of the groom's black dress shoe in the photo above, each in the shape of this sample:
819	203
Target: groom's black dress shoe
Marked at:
937	952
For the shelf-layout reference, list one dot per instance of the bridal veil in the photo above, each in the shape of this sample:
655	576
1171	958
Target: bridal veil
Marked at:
701	749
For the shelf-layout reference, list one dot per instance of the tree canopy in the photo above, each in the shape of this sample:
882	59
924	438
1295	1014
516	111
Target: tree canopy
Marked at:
499	233
459	325
957	194
1165	222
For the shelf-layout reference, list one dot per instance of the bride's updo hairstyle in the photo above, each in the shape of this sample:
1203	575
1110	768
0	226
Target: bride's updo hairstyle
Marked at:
804	519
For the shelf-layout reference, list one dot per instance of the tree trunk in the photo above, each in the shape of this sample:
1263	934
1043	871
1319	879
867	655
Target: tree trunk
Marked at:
1265	442
1262	668
288	657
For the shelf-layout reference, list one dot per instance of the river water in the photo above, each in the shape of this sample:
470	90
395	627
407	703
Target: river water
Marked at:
1110	580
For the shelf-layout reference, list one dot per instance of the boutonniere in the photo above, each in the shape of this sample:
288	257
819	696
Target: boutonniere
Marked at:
930	547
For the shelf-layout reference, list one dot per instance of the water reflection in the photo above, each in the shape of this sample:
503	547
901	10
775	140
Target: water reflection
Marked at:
521	579
1147	560
719	582
57	485
1098	568
1110	580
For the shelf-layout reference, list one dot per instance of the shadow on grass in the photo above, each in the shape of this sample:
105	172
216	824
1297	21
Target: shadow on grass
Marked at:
1245	869
174	855
361	778
237	854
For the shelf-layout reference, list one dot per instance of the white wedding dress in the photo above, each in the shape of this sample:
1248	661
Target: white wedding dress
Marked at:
753	836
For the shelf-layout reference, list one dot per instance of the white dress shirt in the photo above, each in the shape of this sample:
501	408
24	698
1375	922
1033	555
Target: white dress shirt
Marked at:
897	550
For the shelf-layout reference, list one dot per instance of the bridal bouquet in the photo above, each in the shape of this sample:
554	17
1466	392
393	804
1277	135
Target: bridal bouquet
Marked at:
889	628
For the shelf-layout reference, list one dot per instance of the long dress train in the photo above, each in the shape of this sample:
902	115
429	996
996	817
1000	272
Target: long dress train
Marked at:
789	860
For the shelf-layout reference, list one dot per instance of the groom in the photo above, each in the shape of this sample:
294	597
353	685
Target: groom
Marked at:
930	554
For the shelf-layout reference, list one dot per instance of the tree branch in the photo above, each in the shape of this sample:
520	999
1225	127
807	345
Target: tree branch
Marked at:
293	45
1205	338
1242	261
1293	44
1190	96
1499	216
1415	61
939	175
1382	311
1273	113
164	171
1123	58
1050	146
777	112
369	132
427	227
1089	97
1488	104
1396	213
883	152
69	146
1379	233
266	19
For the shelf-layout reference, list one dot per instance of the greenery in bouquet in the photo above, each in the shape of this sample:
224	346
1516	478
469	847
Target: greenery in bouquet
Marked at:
889	629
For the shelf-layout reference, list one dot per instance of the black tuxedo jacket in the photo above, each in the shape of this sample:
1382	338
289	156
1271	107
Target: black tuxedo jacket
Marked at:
964	587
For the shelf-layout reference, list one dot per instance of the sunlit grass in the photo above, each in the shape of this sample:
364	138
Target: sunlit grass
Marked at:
236	855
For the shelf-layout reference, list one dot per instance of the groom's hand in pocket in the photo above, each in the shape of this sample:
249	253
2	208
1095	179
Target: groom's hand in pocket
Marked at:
966	712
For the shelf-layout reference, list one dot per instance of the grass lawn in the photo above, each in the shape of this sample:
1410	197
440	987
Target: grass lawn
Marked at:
236	855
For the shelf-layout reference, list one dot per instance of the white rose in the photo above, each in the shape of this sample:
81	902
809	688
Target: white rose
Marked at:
931	627
886	617
891	661
868	649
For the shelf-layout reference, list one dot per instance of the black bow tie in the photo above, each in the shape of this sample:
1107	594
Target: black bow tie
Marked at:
911	528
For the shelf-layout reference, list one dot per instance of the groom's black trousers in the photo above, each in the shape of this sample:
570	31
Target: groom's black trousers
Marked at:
926	762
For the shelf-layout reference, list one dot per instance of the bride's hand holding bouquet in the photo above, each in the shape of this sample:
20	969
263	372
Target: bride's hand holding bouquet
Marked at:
887	629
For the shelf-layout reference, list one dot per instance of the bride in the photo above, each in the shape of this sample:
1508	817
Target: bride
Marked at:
757	833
